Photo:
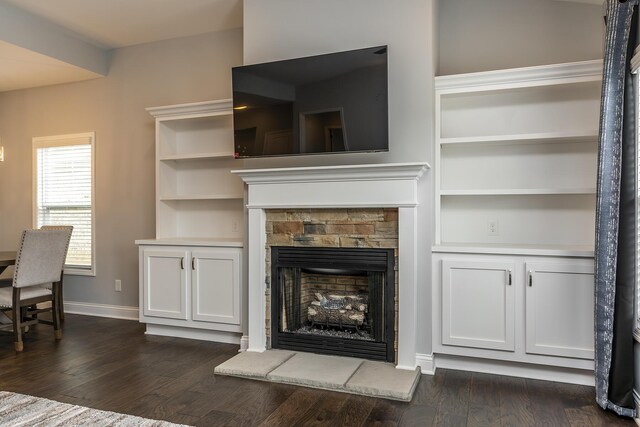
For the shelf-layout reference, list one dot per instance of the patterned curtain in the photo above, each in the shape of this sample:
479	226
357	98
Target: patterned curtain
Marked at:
615	215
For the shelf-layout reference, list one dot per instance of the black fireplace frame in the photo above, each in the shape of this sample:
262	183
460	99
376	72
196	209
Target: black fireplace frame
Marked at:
369	259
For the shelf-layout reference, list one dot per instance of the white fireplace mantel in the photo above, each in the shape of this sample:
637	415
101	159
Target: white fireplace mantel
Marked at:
356	186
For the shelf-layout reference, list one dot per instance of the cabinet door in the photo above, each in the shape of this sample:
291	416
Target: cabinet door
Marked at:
560	306
165	283
478	304
216	285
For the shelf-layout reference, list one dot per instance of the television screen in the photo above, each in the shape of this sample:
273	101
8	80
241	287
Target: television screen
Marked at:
333	103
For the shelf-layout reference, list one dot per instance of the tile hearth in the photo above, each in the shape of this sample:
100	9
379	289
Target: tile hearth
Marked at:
343	374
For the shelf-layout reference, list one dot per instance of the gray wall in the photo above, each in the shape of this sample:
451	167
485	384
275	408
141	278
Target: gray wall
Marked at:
282	29
495	34
169	72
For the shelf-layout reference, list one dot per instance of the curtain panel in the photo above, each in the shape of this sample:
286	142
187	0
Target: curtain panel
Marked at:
615	215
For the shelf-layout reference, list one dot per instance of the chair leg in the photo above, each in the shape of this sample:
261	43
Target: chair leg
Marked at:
55	311
17	320
61	305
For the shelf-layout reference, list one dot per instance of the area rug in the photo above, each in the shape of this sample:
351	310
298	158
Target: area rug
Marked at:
22	410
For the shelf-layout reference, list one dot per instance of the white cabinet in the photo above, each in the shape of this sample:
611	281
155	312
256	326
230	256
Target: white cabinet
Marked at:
215	285
515	159
559	309
511	308
515	191
164	283
478	304
191	272
192	287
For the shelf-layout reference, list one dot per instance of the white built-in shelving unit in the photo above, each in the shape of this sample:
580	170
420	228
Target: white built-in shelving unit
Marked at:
196	195
191	272
516	152
515	192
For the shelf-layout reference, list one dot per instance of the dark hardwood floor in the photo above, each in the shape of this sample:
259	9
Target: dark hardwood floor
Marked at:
110	364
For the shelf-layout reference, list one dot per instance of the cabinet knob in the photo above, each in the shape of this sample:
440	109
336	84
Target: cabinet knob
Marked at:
193	263
530	279
510	278
182	263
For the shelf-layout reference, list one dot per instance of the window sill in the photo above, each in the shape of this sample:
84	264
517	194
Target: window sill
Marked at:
80	272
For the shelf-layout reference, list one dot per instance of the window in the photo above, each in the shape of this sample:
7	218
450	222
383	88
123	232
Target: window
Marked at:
64	193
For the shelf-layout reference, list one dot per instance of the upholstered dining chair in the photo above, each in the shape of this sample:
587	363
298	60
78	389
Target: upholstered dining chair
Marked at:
39	263
69	230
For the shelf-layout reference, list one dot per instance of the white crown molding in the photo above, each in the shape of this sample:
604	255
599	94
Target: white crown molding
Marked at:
576	71
384	171
194	109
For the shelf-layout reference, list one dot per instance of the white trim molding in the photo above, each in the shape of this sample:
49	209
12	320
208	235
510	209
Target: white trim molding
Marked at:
426	363
193	334
102	310
195	109
526	76
514	369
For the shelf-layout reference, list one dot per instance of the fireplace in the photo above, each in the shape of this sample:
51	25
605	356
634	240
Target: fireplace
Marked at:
334	301
399	186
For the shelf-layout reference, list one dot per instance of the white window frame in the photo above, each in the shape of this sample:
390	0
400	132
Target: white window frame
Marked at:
60	141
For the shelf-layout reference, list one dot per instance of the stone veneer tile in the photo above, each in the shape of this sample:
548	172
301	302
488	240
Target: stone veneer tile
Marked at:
349	228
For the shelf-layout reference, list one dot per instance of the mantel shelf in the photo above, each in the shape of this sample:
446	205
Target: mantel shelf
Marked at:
371	172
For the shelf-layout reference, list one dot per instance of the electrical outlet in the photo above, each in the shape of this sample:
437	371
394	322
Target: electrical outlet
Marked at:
118	285
492	227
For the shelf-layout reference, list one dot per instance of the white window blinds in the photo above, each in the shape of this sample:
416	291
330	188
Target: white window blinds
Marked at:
63	191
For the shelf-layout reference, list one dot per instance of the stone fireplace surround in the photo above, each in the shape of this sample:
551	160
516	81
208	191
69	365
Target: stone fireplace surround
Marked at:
339	187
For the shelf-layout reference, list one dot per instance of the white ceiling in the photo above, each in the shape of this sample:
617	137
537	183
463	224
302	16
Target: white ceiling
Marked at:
58	41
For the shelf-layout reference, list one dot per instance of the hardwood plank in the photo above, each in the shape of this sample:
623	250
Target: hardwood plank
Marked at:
429	389
355	410
172	379
546	406
453	405
386	413
292	409
515	406
324	412
418	415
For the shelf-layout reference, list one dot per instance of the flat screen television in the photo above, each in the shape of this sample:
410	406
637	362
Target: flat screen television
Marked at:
333	103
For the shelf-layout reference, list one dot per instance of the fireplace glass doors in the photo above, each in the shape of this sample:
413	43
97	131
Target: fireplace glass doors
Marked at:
333	301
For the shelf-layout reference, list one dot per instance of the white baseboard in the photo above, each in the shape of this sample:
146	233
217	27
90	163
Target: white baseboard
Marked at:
511	369
426	363
102	310
194	334
244	343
